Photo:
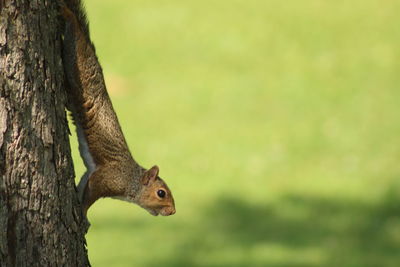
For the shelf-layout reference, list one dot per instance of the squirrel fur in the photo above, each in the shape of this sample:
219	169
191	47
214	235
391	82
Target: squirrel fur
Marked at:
111	169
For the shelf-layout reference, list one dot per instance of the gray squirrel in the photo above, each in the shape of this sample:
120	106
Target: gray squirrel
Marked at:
111	169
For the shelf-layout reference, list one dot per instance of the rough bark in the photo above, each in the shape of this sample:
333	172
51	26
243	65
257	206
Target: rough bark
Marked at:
40	217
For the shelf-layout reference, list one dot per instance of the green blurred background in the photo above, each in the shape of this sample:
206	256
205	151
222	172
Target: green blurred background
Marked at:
275	123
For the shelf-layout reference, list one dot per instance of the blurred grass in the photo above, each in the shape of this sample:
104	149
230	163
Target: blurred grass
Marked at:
276	124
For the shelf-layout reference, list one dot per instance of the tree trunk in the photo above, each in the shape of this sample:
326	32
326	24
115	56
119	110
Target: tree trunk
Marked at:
40	217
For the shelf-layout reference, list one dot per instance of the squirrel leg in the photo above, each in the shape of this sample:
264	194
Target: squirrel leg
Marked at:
95	186
90	189
82	185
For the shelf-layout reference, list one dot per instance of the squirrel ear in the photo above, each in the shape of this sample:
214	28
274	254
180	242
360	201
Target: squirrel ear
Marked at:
154	171
150	174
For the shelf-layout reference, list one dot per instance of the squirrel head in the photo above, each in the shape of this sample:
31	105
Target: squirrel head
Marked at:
155	195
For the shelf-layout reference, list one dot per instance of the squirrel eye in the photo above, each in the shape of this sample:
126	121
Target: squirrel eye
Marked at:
161	193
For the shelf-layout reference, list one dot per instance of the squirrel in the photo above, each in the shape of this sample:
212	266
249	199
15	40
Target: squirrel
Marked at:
111	169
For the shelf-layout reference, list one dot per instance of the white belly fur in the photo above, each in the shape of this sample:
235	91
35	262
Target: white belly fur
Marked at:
87	160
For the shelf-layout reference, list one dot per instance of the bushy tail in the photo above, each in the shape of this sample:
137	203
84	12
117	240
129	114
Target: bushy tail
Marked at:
77	8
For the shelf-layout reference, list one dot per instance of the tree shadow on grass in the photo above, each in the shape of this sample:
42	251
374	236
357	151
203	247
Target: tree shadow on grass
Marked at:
295	231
